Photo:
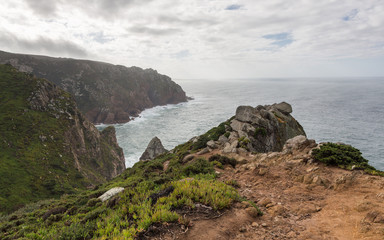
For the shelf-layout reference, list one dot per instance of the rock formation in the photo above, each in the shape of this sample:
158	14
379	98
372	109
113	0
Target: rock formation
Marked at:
48	146
154	149
104	93
258	129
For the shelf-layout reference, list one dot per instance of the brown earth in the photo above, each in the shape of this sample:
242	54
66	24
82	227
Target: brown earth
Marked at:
300	199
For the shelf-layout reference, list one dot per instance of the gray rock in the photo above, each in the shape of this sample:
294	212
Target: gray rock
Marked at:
203	151
267	127
154	149
211	144
110	193
223	139
245	114
283	107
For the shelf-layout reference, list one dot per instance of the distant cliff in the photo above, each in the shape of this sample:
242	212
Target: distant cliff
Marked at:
47	146
104	93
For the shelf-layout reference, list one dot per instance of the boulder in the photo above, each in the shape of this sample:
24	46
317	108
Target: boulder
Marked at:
110	193
283	107
154	149
211	144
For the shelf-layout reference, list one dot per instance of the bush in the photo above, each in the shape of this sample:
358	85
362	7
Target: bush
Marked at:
223	160
344	156
199	166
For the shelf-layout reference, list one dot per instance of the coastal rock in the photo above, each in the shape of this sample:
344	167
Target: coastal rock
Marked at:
264	128
110	193
104	93
154	149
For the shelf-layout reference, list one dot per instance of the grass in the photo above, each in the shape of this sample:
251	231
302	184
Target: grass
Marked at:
132	212
36	159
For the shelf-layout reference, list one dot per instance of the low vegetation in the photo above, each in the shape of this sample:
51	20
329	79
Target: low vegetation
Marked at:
343	156
132	212
213	134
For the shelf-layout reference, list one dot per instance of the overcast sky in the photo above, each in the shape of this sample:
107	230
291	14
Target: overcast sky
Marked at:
205	38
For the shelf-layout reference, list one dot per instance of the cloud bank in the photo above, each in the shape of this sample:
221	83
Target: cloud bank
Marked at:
199	39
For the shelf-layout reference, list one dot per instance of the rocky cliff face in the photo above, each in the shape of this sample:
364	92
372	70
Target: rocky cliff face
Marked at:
48	146
104	93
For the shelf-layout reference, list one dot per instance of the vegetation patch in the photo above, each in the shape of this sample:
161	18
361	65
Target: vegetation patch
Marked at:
223	160
260	132
243	143
213	134
343	156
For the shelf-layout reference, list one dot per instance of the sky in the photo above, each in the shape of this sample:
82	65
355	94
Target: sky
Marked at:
213	39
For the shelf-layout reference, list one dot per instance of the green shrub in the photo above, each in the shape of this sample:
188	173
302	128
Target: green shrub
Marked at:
260	132
201	142
200	166
344	156
223	160
243	142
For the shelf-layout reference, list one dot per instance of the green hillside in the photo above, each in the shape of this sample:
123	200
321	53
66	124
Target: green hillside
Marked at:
39	125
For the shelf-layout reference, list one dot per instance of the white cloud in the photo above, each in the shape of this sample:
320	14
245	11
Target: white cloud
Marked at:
199	38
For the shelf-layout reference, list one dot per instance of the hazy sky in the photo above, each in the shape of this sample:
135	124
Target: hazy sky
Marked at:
205	38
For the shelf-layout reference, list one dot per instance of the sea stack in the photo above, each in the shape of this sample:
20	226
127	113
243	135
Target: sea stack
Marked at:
154	149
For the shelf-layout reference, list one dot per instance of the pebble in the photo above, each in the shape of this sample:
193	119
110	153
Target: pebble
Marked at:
264	225
255	224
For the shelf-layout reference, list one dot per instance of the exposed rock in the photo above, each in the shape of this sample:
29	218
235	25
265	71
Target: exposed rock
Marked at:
105	93
252	212
154	149
203	151
267	128
223	139
283	107
211	144
110	193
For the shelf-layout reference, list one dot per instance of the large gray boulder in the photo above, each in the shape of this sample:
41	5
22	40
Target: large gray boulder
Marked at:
263	128
154	149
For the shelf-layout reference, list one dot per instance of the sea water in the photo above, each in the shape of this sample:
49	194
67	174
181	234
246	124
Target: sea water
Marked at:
337	110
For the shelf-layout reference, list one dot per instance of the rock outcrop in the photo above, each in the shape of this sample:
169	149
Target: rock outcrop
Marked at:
154	149
258	129
48	146
104	93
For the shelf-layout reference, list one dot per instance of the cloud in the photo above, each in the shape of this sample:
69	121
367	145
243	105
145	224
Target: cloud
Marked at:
43	7
237	34
42	45
100	37
234	7
280	39
181	54
351	15
195	21
154	31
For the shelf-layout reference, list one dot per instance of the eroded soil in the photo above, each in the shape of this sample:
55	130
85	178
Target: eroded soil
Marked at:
300	199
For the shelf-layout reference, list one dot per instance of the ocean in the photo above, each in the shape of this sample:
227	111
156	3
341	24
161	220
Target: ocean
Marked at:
336	110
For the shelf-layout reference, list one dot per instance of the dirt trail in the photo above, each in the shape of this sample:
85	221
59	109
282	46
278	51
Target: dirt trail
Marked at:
300	199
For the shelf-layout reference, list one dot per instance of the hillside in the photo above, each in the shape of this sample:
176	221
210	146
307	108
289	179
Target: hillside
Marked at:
47	146
104	93
200	190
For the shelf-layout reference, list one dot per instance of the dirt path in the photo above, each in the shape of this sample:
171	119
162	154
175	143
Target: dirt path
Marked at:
300	199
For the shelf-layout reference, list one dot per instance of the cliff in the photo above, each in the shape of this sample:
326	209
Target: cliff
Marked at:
47	146
104	93
198	190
